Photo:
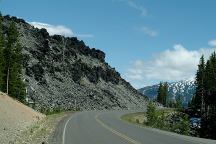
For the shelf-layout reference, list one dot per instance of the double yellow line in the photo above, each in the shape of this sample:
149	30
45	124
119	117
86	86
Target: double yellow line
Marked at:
130	140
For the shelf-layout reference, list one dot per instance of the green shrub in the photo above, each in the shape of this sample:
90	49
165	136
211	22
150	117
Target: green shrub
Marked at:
161	120
151	114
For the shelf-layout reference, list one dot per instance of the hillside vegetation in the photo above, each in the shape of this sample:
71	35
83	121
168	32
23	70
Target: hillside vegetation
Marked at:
11	60
164	119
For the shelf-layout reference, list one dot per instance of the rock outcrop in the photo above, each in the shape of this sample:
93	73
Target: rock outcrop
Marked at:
62	72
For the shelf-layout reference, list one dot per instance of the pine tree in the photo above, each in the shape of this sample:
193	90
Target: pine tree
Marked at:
8	52
17	87
151	114
209	116
179	101
210	81
205	96
14	85
198	101
165	93
2	62
160	93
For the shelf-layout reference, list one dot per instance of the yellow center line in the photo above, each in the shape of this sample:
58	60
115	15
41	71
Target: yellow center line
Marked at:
130	140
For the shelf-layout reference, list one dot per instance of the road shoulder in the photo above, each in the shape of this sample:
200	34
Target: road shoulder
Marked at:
57	135
45	131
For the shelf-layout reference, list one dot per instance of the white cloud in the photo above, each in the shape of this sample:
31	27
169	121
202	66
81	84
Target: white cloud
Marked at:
59	29
143	12
212	42
135	6
52	29
171	65
150	32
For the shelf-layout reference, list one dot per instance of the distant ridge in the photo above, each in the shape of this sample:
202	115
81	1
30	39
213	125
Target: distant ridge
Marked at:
184	88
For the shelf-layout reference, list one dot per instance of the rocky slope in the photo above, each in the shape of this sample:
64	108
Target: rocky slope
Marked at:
184	88
63	73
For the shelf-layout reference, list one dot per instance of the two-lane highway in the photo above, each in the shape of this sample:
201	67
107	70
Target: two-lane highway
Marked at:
105	127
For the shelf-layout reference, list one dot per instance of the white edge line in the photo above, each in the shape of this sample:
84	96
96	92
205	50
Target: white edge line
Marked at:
63	136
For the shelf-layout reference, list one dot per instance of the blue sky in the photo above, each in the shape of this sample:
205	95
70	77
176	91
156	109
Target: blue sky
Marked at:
147	41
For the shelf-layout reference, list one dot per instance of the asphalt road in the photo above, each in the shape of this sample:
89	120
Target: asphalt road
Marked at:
96	127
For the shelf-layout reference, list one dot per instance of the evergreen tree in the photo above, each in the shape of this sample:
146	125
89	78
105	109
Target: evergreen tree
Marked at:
2	61
209	116
160	93
211	80
198	101
17	86
210	83
165	93
151	114
191	103
14	85
179	101
205	96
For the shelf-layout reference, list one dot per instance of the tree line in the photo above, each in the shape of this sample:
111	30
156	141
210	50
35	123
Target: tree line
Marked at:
162	93
163	97
204	100
11	62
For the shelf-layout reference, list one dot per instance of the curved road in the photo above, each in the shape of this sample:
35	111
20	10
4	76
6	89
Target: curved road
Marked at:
96	127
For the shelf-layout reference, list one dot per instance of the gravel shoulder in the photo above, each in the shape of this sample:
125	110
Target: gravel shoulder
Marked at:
15	118
20	124
44	131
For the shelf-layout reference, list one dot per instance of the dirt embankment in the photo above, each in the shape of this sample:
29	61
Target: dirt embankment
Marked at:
15	118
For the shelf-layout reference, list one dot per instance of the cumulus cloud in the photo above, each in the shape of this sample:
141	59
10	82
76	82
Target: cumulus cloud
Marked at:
150	32
173	64
59	29
212	42
52	29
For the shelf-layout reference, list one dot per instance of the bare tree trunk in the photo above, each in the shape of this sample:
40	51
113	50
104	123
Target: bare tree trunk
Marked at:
8	73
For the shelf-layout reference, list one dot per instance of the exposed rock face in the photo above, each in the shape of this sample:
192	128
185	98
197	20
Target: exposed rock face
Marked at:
65	73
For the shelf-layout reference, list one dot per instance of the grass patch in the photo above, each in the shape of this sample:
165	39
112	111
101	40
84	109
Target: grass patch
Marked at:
136	118
164	119
41	131
140	117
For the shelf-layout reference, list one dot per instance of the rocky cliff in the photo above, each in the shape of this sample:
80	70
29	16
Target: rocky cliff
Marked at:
62	72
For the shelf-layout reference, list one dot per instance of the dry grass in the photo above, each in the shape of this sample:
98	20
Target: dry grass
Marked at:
136	118
140	117
40	132
15	118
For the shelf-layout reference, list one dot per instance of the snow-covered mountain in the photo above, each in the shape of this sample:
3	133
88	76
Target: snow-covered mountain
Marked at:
184	88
